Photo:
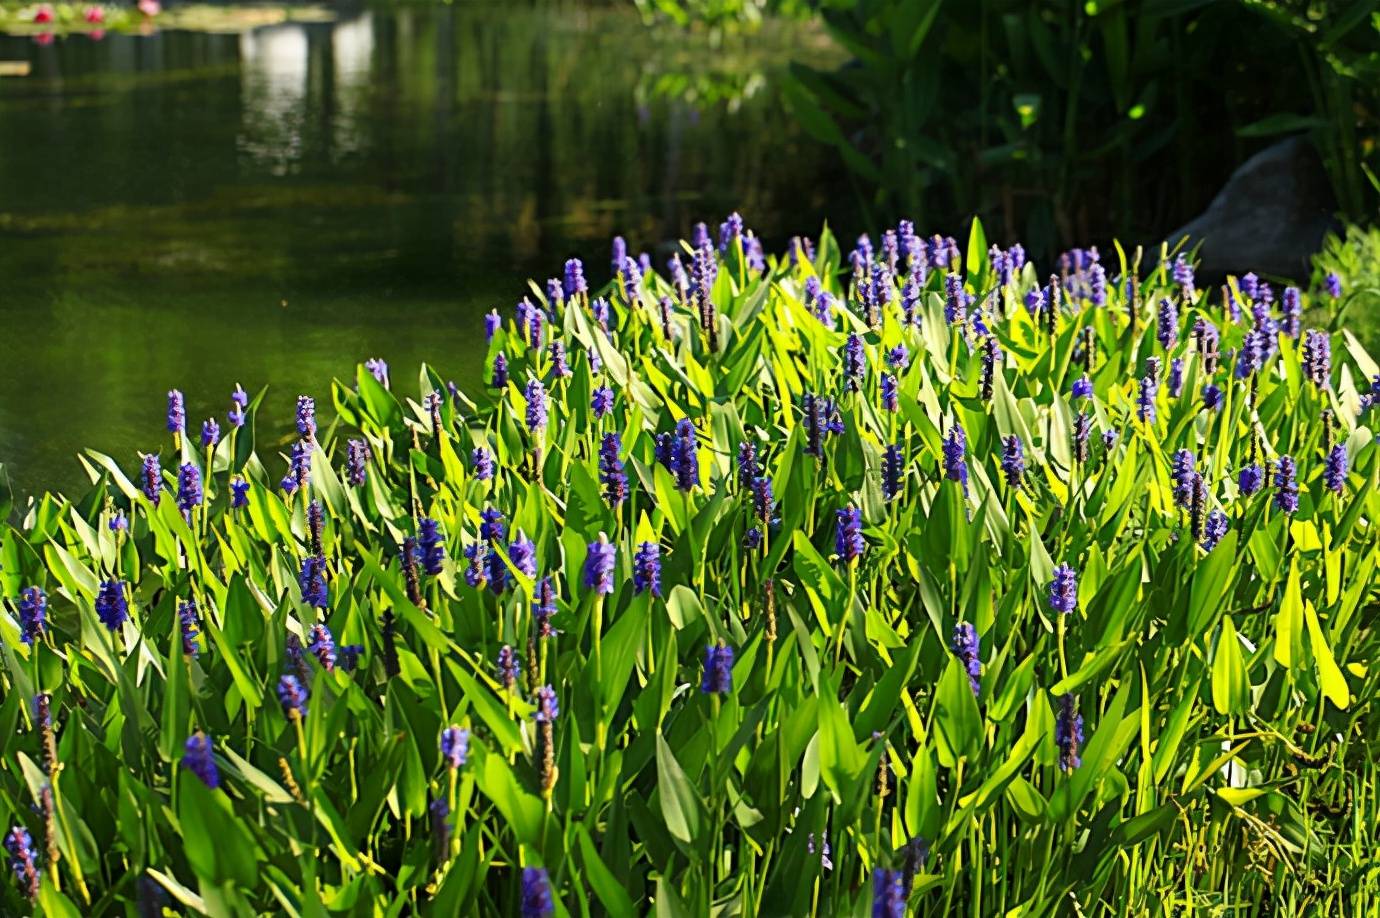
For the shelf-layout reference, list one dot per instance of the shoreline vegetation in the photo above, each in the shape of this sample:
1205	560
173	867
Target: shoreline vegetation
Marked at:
913	577
46	21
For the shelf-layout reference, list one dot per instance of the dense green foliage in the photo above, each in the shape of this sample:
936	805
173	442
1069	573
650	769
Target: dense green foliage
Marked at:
1355	255
1226	691
1065	120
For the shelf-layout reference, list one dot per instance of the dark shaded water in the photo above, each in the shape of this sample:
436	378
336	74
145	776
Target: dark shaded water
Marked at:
195	210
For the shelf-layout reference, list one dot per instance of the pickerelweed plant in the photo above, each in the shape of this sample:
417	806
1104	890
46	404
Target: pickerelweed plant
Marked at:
783	586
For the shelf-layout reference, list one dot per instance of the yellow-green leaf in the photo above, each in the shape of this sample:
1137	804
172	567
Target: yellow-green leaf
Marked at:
1329	675
1230	687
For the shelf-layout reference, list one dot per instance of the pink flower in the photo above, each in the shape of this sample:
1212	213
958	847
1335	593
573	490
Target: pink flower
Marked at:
43	38
96	34
44	14
94	14
150	7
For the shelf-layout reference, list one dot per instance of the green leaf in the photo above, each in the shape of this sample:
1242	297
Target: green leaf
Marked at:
1210	581
1329	675
1281	123
521	809
606	886
957	723
489	709
680	806
1230	686
1289	621
218	846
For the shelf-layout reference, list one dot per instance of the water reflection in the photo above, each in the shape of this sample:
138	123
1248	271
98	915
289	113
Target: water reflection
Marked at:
273	64
193	210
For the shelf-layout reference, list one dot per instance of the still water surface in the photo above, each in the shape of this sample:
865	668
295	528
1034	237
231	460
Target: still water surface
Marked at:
191	210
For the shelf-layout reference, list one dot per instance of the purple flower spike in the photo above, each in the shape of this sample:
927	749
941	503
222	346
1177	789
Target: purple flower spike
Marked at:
718	670
379	370
210	433
299	467
601	401
152	482
431	544
536	893
1068	732
1251	479
312	581
348	656
763	504
890	397
1063	590
239	493
455	746
599	563
889	894
685	461
1286	485
849	544
177	413
1145	399
187	621
611	473
600	310
111	606
854	363
356	462
483	462
1013	461
1183	276
33	614
647	568
23	860
543	607
560	367
496	570
197	759
306	417
189	494
1317	358
509	667
474	570
574	281
1291	308
893	471
748	467
535	395
1182	466
967	648
1334	472
1167	324
955	456
322	646
491	525
1214	528
239	401
548	709
292	695
955	298
523	554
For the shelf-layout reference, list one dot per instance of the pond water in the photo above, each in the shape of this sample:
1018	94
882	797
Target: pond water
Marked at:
194	210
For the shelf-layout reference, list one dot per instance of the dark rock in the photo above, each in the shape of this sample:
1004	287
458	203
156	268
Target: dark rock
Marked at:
1269	218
